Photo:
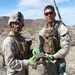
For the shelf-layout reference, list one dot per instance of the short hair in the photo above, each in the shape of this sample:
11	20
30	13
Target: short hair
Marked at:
49	7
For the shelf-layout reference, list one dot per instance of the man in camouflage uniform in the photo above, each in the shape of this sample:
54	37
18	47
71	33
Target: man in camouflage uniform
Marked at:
54	42
16	48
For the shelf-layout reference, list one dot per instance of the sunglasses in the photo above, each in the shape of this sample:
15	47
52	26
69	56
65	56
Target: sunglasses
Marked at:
51	13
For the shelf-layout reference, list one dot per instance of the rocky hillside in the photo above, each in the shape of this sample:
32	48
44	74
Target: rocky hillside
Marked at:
29	23
30	31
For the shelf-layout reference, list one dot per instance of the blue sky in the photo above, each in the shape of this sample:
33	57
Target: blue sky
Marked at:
33	9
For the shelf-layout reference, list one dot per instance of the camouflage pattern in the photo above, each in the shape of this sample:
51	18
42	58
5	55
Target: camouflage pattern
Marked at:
49	43
23	46
10	48
16	17
57	66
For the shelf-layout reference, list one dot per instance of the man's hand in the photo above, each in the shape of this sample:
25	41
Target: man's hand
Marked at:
49	57
31	61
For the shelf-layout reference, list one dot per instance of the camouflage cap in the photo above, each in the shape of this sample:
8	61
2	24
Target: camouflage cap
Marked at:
16	17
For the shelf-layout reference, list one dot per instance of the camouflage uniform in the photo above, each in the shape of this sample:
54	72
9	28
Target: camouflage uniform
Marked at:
14	64
14	49
55	41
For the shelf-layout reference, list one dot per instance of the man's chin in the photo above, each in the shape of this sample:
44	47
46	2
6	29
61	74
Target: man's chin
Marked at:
50	21
17	31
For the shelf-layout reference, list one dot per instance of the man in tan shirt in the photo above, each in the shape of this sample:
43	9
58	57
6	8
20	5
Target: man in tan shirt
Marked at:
54	42
16	47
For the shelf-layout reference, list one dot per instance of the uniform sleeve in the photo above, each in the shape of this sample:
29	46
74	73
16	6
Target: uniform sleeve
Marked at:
10	61
64	42
41	43
41	40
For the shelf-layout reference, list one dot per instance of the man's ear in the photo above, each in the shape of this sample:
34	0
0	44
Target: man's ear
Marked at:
11	25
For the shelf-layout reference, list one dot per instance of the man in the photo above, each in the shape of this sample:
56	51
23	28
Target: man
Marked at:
16	48
54	42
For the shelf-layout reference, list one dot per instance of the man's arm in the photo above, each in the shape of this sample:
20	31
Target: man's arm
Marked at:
41	43
9	53
64	42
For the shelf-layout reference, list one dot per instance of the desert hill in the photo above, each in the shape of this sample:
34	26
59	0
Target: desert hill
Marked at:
29	23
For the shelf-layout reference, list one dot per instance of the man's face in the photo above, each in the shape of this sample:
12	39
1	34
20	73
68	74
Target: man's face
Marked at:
49	15
17	27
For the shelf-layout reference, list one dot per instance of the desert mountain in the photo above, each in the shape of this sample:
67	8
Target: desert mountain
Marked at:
29	23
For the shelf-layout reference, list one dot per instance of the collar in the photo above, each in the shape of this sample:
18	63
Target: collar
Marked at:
12	34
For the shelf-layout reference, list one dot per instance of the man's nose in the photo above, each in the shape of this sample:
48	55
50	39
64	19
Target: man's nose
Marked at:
49	14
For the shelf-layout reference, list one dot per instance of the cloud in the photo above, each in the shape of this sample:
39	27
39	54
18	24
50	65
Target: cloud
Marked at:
33	3
35	7
37	3
33	14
